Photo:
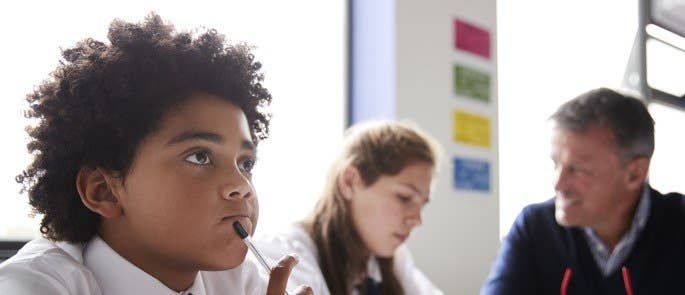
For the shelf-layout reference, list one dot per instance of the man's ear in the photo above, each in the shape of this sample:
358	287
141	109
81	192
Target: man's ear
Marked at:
349	181
97	188
637	172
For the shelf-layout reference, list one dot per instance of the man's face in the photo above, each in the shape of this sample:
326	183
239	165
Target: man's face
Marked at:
189	181
590	181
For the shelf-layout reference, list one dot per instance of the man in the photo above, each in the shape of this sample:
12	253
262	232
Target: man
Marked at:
606	231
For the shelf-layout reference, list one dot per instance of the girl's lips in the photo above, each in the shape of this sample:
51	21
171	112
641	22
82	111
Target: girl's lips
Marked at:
400	237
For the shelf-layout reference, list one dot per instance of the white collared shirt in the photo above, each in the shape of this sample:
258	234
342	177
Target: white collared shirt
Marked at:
45	267
308	272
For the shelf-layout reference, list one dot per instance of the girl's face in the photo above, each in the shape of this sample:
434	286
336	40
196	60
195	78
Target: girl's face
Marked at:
189	181
385	212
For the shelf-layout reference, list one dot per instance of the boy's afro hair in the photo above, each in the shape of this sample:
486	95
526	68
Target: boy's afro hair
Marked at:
103	99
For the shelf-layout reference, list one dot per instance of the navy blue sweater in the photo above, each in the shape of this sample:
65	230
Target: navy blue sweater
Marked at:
537	251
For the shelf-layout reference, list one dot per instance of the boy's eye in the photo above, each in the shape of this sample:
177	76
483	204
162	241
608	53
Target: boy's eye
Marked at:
199	158
247	165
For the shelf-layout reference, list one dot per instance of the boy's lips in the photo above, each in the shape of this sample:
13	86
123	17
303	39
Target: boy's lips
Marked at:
237	213
236	217
244	219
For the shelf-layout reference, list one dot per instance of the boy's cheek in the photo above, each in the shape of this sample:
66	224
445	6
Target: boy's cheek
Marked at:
255	216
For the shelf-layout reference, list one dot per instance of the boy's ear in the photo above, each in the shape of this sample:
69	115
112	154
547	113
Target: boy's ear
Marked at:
97	188
349	182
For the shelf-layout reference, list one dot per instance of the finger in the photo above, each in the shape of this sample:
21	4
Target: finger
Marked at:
304	290
278	279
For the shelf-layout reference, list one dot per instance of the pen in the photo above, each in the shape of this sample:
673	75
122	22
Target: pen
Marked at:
242	233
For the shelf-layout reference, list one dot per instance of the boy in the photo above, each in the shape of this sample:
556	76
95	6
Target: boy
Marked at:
143	157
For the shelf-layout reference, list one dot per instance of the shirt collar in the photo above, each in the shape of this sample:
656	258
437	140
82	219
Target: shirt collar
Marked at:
117	276
373	270
641	212
610	261
75	250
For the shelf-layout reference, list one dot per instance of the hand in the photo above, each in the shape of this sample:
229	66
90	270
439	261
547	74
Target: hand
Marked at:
278	279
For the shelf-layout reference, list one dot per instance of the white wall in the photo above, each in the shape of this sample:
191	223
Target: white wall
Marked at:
459	239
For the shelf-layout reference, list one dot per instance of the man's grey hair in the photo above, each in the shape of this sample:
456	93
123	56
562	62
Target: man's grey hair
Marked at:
627	117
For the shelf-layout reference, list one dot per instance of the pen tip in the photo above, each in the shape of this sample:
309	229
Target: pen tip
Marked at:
240	230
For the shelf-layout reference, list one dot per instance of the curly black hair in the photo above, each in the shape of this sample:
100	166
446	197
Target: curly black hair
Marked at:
104	99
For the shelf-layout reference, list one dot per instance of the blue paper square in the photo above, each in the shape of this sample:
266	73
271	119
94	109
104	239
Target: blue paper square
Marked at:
471	174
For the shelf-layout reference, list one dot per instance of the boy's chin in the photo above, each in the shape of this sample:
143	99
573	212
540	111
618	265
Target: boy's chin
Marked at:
230	261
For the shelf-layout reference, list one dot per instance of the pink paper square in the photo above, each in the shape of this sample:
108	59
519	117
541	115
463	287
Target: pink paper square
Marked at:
471	38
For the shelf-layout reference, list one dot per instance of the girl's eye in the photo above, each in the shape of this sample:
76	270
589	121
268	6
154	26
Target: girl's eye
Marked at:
199	158
403	198
247	165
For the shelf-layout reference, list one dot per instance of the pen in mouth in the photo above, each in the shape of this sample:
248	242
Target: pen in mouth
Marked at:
242	233
240	230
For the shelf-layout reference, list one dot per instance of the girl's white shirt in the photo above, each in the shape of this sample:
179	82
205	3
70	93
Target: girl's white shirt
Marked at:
307	272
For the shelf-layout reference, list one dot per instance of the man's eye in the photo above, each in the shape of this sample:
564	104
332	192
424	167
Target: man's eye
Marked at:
199	158
247	165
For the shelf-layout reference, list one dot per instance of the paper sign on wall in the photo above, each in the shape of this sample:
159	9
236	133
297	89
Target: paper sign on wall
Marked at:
471	38
471	129
471	174
471	83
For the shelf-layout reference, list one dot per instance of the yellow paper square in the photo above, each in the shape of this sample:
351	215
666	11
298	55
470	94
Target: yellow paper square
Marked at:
471	129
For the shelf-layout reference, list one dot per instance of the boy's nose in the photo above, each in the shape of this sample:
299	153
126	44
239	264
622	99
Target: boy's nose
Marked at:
236	189
236	192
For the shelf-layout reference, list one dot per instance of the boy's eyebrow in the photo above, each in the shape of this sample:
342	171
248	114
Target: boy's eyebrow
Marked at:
195	135
208	136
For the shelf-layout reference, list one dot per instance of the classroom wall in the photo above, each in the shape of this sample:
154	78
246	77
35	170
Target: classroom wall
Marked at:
459	239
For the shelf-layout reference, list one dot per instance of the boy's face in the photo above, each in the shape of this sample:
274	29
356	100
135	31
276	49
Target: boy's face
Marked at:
189	181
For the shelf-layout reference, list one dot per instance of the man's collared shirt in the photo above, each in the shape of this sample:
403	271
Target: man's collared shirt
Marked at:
607	261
